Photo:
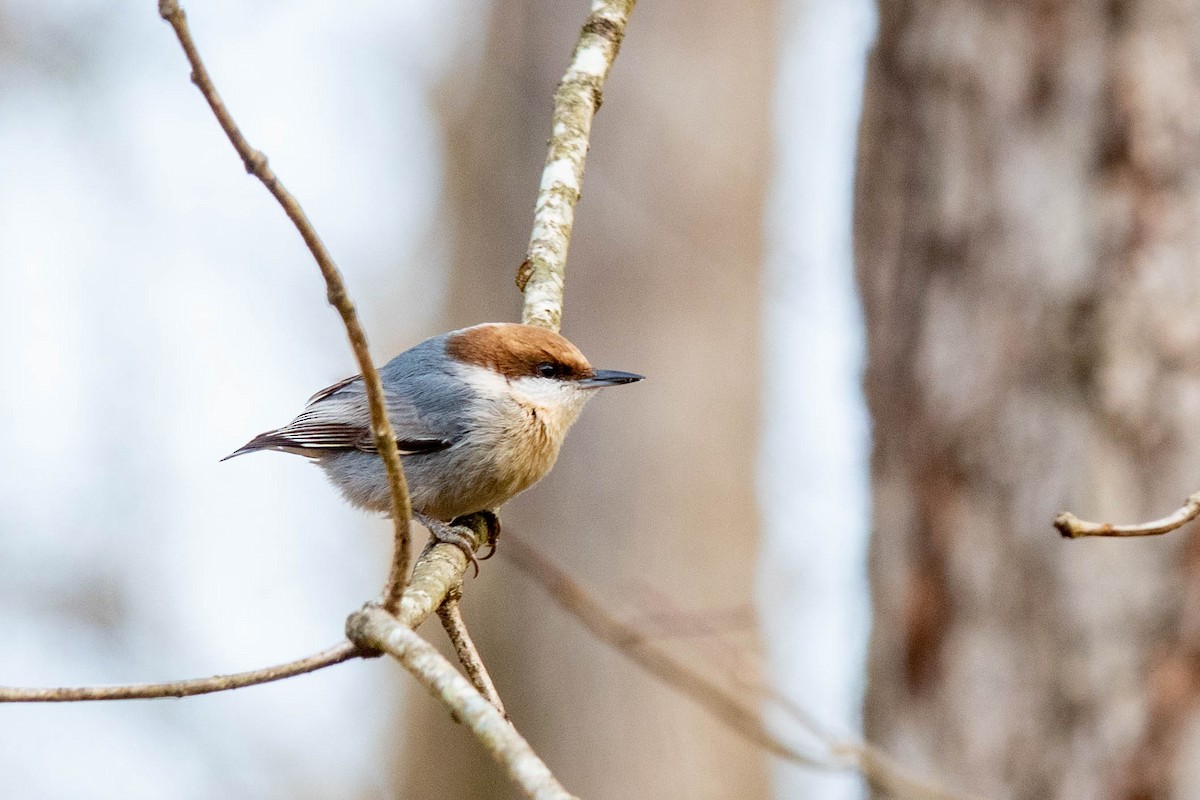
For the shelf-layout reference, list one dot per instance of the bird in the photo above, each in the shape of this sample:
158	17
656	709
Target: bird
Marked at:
479	413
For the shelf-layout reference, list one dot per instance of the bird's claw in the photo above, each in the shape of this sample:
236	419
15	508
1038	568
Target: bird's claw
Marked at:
493	528
447	533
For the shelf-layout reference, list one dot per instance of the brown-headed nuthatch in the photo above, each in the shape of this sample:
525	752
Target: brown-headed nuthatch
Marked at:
479	414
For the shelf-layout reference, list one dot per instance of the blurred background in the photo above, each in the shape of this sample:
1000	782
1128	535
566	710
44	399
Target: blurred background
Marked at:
1018	314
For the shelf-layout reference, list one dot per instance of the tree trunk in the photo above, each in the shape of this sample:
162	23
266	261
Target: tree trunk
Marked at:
654	486
1027	242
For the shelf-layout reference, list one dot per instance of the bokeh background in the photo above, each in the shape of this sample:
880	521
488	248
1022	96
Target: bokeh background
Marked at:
157	309
937	290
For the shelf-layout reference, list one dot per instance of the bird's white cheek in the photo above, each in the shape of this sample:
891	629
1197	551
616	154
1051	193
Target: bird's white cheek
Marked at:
559	401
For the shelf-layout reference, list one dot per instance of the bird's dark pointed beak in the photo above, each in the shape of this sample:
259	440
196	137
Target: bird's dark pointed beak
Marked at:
609	377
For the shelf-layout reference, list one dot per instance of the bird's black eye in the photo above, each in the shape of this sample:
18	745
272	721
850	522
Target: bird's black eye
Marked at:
548	370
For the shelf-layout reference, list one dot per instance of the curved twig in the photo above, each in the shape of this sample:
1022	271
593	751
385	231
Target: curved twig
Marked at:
543	271
1072	527
256	164
186	688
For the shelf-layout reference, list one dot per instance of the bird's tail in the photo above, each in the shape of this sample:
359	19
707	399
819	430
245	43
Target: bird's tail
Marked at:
271	440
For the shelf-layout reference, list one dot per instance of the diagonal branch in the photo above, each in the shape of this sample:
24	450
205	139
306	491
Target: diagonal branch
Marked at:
339	298
878	768
576	102
375	628
626	639
1072	527
186	688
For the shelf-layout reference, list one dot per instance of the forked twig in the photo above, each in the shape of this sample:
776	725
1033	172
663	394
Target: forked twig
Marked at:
440	569
375	628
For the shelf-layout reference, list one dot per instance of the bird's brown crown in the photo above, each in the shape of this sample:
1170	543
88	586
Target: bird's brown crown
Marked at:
517	351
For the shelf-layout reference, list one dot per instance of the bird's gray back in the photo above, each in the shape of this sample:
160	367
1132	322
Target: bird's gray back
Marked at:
423	399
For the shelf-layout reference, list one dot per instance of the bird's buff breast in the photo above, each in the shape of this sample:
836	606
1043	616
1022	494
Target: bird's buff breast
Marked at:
472	475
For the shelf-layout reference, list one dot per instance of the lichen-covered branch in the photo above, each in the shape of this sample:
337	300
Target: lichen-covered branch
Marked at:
1072	527
185	688
339	298
376	629
578	98
450	614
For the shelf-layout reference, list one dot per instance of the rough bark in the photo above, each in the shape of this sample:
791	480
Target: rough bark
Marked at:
653	485
1027	239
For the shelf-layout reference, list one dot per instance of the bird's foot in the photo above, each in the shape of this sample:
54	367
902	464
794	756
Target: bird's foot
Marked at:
493	529
448	533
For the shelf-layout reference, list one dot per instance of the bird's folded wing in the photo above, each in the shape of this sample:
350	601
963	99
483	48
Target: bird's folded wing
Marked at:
337	418
334	423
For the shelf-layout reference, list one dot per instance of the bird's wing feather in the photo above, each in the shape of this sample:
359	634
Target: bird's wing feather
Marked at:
337	418
330	390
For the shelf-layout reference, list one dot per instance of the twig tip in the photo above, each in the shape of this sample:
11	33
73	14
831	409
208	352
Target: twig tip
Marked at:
1065	523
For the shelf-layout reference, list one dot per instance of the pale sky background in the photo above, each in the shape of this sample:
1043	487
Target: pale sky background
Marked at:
157	308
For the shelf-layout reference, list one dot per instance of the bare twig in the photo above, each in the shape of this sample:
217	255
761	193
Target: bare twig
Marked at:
578	98
744	669
256	164
439	570
880	769
468	655
631	642
658	617
186	688
1072	527
877	767
375	628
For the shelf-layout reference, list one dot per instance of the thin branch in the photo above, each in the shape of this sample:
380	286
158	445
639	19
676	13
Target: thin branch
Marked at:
438	571
744	669
375	628
573	598
578	98
658	617
186	688
256	164
878	768
468	655
1072	527
888	775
